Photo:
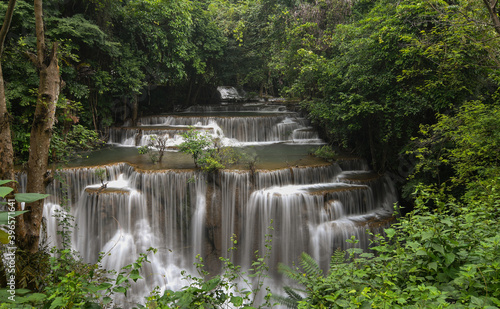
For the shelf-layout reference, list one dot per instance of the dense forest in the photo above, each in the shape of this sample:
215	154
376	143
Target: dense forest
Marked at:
412	86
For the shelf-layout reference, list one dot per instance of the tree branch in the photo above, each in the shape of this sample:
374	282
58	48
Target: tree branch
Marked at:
492	9
40	34
32	57
6	23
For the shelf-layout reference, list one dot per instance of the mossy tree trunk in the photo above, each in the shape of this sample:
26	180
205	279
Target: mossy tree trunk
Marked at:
6	150
28	232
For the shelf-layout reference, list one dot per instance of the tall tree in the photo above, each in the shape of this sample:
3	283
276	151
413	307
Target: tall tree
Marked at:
6	150
28	232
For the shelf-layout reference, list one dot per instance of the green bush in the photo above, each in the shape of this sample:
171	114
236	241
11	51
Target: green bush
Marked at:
207	151
326	153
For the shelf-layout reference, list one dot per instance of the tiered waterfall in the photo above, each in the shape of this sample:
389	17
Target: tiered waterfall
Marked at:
313	206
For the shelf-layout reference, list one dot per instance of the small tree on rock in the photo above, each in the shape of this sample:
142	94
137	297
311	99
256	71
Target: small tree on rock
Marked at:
196	143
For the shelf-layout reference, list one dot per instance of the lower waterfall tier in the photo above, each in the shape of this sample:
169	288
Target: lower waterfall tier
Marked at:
183	213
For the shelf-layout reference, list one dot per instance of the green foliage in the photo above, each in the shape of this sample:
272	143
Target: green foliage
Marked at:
195	143
234	287
75	284
7	217
218	157
102	175
65	147
445	252
393	69
428	259
207	151
24	299
460	150
325	152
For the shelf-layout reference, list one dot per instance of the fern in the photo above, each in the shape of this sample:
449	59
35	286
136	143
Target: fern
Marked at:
293	274
292	294
310	266
286	301
337	258
292	299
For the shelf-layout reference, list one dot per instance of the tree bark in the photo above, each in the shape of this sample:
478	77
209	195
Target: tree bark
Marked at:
135	108
372	146
41	133
6	150
491	6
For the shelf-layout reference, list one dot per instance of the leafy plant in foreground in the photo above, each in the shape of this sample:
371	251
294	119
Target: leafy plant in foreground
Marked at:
234	288
447	257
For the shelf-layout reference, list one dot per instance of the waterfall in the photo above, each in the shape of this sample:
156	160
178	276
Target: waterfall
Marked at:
305	205
259	128
228	93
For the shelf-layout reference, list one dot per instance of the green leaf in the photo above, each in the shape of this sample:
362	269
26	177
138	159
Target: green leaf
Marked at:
332	298
120	279
36	297
30	197
2	182
390	232
449	258
478	302
120	289
5	215
104	286
495	300
134	275
427	235
4	237
22	291
421	252
211	284
237	300
4	191
58	303
439	248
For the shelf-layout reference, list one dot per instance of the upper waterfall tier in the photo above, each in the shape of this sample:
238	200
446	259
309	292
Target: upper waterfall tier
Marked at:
270	124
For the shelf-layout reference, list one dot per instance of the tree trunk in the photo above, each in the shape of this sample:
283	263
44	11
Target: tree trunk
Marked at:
6	150
41	133
372	147
135	108
491	6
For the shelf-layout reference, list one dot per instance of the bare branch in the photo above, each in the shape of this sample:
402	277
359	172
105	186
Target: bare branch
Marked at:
40	34
32	57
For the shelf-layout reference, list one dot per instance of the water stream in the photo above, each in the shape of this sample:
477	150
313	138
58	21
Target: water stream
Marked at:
312	205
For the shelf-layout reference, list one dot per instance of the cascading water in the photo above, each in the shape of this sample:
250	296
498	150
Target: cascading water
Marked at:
313	206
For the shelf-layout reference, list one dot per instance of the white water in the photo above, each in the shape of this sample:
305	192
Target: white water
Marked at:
183	213
266	126
228	93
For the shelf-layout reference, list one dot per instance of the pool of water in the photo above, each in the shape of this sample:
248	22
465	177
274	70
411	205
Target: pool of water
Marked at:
267	156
